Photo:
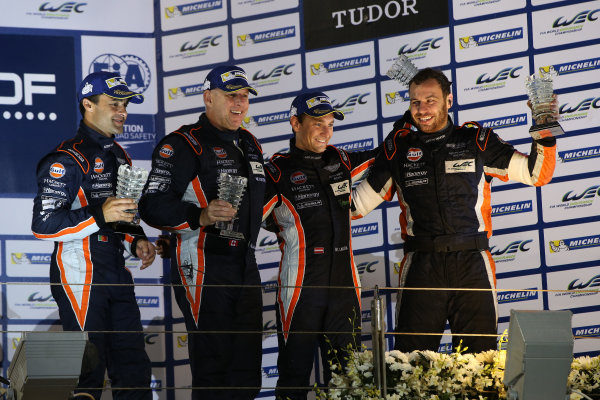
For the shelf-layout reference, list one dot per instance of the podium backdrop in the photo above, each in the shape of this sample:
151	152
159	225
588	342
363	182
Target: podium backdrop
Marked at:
547	240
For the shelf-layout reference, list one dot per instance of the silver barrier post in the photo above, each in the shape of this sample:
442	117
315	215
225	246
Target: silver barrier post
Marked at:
378	337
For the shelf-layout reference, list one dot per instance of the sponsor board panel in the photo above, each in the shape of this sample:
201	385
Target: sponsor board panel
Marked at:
154	339
246	8
355	139
367	232
269	340
512	208
177	14
569	24
395	98
195	48
358	103
333	23
270	284
463	9
133	58
577	154
511	121
572	244
586	328
393	225
366	315
340	65
80	15
35	97
269	118
371	269
139	136
267	248
265	36
579	66
28	258
274	76
183	380
491	81
180	342
184	91
174	123
269	370
579	110
150	300
480	40
516	251
157	382
15	331
153	271
521	293
574	288
572	199
30	301
424	49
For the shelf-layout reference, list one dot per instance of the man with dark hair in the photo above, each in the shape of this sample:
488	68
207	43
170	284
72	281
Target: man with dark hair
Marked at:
74	207
442	175
308	202
215	276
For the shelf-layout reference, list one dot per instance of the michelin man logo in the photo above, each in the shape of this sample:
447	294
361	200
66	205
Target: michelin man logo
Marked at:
87	88
316	69
243	40
248	123
466	42
172	12
556	247
175	93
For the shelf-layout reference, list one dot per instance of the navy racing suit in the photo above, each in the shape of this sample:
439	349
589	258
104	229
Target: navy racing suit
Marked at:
74	180
308	202
443	182
216	280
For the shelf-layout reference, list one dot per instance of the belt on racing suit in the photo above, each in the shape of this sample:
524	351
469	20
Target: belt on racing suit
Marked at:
447	243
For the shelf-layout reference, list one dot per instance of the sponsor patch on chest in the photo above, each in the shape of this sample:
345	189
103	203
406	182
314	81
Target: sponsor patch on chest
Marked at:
342	187
458	166
257	168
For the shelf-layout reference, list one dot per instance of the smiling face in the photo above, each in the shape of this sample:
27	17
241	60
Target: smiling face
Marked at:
226	110
313	134
428	106
106	117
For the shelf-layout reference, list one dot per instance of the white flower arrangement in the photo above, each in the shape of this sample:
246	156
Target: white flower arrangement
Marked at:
439	376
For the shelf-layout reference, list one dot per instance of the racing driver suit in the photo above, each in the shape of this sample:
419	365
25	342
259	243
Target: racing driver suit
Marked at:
443	183
73	181
308	201
215	278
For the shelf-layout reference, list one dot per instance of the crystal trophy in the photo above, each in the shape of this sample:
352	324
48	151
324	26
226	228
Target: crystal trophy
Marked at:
231	189
541	95
130	183
403	70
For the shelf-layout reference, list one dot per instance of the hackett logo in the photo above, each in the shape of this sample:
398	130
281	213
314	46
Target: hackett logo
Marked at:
328	23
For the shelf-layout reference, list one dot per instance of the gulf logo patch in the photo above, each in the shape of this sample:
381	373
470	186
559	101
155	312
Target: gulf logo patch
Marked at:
414	154
98	165
298	178
166	151
57	170
220	152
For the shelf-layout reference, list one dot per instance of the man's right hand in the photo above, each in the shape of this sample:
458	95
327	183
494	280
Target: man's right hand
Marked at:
217	210
115	209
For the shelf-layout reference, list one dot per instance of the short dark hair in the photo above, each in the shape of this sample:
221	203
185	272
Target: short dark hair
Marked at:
301	118
94	99
430	73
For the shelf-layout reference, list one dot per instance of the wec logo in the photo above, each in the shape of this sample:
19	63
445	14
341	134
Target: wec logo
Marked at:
63	8
502	75
512	247
202	44
580	18
588	193
275	72
593	282
423	46
584	105
367	266
351	101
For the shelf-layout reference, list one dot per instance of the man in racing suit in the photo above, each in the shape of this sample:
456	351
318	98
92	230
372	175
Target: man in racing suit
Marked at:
215	275
308	201
442	175
74	207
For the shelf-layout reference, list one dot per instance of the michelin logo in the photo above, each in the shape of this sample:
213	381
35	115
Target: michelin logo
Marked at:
557	246
505	122
185	91
364	230
517	295
193	8
266	36
579	154
490	38
265	119
399	96
30	258
573	67
358	145
340	65
587	331
512	208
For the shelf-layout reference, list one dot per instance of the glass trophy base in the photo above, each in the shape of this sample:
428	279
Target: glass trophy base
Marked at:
127	228
550	129
226	233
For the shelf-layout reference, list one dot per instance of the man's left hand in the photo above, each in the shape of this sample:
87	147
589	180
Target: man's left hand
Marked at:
146	252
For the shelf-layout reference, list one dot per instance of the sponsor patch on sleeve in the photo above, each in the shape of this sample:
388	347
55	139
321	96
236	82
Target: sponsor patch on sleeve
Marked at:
458	166
257	168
